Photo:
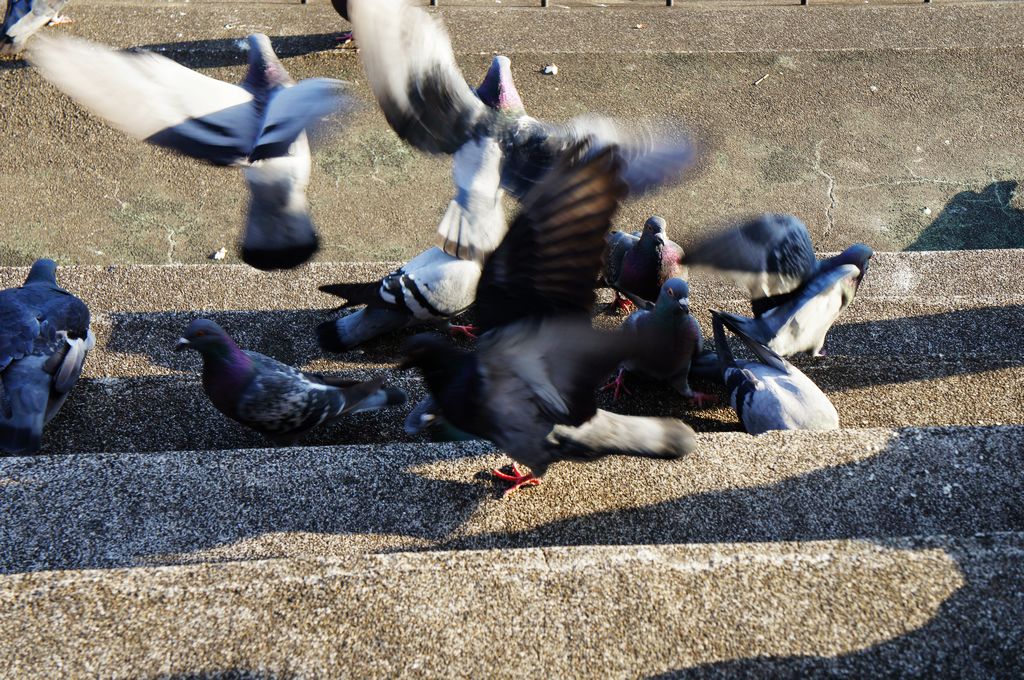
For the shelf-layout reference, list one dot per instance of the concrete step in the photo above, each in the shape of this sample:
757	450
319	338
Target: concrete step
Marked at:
889	125
928	606
118	510
909	351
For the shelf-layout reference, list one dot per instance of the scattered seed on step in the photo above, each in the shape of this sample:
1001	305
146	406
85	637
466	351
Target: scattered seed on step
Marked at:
550	70
761	79
927	211
220	254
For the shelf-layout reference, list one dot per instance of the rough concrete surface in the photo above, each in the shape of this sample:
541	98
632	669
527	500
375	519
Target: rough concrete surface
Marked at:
892	125
155	538
116	510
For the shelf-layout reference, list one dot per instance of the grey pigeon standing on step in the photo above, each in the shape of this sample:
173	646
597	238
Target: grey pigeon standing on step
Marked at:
23	18
772	256
44	339
258	125
769	393
273	398
530	386
429	289
672	339
637	265
496	146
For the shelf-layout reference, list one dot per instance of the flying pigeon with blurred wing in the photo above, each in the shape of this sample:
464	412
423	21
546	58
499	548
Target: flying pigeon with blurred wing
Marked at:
772	256
276	400
258	125
800	325
44	339
530	386
496	146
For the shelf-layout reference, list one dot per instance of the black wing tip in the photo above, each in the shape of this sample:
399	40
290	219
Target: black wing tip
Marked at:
270	259
328	339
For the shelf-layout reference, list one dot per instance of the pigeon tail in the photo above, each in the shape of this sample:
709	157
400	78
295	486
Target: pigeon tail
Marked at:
615	434
277	237
497	89
348	332
380	398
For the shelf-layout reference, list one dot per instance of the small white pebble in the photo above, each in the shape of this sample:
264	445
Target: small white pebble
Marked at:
947	490
550	70
927	211
220	254
873	88
638	25
947	142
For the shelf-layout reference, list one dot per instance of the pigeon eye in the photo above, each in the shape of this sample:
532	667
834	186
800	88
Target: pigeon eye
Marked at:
200	334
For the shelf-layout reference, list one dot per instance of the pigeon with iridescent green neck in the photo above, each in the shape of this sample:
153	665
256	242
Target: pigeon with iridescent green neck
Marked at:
672	340
637	265
44	339
497	147
276	400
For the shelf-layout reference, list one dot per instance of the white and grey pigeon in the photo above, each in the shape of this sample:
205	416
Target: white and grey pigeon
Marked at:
673	341
23	18
772	256
530	385
258	125
429	289
769	393
275	399
800	325
44	339
497	147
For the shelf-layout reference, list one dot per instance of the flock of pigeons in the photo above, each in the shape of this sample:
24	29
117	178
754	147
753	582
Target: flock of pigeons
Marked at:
530	385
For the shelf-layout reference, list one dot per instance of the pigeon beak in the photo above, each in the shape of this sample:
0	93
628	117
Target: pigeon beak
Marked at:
684	305
183	344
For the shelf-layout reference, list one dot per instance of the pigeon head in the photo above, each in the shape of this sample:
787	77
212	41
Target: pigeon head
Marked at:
674	296
43	270
207	338
858	255
497	89
265	69
654	229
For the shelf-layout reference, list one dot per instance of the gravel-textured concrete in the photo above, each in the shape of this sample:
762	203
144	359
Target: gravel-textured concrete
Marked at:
892	125
96	510
564	612
926	331
569	612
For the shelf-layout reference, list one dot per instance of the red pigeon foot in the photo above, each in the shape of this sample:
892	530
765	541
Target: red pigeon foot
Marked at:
702	399
519	478
619	384
468	331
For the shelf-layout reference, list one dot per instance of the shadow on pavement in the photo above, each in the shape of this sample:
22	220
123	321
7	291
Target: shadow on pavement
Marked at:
993	218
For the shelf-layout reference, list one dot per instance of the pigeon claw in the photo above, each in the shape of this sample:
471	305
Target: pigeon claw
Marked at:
702	399
467	331
519	478
622	304
619	384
